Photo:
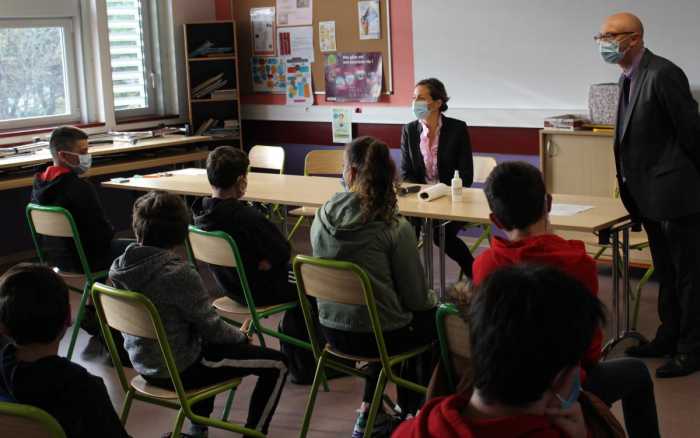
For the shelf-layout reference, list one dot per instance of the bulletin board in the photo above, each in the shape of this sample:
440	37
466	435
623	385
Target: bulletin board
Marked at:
347	37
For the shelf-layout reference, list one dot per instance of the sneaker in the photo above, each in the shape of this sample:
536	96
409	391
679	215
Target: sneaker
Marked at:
383	424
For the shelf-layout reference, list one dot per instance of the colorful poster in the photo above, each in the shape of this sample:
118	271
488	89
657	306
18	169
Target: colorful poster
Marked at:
369	19
296	42
294	12
326	36
269	74
342	125
353	77
299	90
262	27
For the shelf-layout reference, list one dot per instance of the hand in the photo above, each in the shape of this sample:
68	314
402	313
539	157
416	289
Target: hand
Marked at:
264	265
570	420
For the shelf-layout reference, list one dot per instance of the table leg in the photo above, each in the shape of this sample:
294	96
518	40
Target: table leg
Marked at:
428	249
285	225
443	292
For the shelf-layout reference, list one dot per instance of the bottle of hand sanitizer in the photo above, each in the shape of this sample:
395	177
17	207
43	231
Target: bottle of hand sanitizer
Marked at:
456	187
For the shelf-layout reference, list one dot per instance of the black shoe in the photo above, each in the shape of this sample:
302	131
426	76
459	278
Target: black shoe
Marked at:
651	349
680	365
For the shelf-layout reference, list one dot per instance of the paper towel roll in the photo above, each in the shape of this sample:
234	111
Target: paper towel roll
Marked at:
433	192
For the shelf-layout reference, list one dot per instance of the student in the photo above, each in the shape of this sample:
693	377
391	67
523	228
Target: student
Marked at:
60	185
527	339
206	349
520	206
265	251
35	313
363	226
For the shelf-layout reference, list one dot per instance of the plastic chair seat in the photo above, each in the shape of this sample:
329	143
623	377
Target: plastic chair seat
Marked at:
352	357
142	386
304	211
228	306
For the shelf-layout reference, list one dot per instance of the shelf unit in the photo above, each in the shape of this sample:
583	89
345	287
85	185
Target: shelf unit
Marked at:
202	68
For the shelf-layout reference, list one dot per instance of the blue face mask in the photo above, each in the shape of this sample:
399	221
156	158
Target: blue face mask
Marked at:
610	51
84	163
420	109
575	391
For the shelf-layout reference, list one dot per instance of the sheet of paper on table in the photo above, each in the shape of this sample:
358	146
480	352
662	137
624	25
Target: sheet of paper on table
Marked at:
568	209
190	171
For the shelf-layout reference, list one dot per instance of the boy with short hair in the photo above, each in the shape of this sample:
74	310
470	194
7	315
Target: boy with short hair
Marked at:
526	363
35	313
206	349
520	206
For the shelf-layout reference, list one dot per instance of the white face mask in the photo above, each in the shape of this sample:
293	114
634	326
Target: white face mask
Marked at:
84	162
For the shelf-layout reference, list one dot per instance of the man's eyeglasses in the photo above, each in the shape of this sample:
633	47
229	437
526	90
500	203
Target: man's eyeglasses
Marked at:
609	36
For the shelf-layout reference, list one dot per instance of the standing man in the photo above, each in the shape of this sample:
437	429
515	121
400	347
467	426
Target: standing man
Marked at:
657	156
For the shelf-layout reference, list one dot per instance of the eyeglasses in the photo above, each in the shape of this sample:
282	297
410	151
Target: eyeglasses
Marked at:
609	36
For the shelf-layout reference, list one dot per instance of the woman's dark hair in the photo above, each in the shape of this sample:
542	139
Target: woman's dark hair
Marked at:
160	219
437	91
375	178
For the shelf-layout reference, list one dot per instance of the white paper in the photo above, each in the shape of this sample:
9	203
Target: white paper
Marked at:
369	19
432	193
342	125
294	12
568	209
262	24
190	172
326	36
296	42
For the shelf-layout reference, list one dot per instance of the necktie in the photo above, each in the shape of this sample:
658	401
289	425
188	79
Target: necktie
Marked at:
626	82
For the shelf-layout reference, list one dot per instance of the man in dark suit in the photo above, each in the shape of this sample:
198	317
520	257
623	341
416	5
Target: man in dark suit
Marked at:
657	155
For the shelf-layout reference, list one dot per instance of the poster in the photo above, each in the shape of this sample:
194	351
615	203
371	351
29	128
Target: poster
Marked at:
299	82
369	20
296	42
294	12
262	27
353	77
326	36
342	125
269	74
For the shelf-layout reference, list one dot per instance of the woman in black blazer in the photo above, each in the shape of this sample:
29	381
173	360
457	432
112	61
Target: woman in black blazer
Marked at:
432	148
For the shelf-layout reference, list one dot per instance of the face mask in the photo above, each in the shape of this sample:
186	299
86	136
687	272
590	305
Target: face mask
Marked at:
610	51
420	109
343	182
575	391
84	163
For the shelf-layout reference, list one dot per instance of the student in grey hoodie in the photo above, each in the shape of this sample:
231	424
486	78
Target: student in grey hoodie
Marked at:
362	225
207	350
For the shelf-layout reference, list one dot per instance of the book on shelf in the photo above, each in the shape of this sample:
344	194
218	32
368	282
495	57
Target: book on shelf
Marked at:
205	126
208	49
212	80
223	132
208	90
224	94
565	122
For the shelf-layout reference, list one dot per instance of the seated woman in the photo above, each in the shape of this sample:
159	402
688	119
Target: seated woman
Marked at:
363	226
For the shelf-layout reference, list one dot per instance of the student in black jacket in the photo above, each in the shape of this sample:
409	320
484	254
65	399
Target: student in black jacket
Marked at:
31	372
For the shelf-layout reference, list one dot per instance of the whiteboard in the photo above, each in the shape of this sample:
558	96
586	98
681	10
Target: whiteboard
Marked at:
538	56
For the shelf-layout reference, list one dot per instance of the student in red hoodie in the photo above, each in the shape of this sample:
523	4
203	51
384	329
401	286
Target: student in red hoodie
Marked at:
520	206
526	348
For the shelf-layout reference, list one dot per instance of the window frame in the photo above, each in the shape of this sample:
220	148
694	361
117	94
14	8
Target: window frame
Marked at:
70	72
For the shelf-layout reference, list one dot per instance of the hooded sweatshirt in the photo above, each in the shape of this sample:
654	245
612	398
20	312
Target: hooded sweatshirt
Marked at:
61	187
182	301
545	249
257	239
443	417
387	253
74	397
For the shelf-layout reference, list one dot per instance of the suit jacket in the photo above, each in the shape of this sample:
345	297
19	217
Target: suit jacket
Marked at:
657	143
454	153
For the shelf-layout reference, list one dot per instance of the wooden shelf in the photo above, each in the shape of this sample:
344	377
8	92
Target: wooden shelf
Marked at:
213	58
230	99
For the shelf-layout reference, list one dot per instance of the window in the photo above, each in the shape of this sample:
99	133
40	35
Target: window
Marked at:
37	73
133	76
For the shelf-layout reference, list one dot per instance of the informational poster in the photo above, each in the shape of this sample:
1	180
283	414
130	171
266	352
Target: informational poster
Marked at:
299	90
353	77
342	125
294	12
269	74
262	27
296	42
326	36
369	19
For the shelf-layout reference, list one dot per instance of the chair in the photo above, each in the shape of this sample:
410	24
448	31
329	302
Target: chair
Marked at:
134	314
18	420
58	222
346	283
453	335
318	162
482	169
268	158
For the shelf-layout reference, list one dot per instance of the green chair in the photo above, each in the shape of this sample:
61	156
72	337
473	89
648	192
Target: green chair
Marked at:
18	420
453	335
58	222
134	314
346	283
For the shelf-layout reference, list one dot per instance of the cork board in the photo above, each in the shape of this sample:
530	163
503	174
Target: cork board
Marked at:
347	37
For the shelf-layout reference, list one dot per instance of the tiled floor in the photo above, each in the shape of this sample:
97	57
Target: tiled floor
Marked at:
677	399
